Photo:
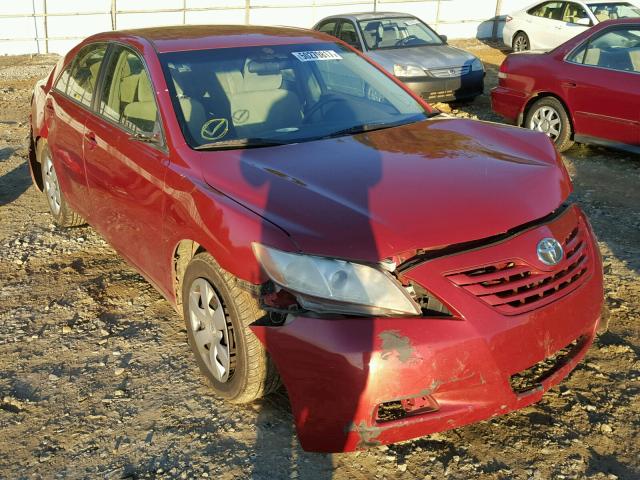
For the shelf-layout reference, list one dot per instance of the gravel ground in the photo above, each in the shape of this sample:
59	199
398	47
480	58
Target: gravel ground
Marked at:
97	381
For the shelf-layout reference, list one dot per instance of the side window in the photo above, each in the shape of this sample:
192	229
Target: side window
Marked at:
617	49
550	10
84	73
63	79
127	96
328	27
574	12
349	35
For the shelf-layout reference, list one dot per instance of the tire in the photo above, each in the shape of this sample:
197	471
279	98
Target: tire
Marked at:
62	213
549	116
521	42
222	324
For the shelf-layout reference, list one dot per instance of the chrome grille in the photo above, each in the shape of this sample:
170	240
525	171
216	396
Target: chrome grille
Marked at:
450	72
514	286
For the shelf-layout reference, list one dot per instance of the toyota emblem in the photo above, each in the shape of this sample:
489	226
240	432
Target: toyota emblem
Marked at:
550	251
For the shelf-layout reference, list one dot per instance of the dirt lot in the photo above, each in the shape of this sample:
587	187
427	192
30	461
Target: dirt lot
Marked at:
96	378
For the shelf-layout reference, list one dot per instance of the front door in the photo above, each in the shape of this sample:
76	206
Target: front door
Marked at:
126	163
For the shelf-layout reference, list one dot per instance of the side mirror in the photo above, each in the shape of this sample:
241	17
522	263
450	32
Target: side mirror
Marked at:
444	38
584	21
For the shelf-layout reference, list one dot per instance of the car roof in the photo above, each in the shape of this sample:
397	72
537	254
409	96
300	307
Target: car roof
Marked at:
369	15
203	37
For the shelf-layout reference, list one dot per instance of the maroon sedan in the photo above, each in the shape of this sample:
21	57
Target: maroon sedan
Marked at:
316	223
586	90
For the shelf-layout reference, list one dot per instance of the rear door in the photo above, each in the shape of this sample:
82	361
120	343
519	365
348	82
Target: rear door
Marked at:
126	162
68	108
602	83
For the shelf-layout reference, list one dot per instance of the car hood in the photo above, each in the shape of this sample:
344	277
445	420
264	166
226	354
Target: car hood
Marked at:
427	57
384	193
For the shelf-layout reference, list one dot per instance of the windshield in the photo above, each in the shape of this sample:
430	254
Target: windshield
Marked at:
270	95
397	33
611	11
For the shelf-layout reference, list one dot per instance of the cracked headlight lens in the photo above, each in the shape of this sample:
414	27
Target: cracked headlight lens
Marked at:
338	286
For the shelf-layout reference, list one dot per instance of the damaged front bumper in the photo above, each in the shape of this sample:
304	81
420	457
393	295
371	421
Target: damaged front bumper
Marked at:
344	375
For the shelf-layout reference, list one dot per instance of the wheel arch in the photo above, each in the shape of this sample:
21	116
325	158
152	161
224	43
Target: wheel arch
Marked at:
540	95
183	252
35	167
516	33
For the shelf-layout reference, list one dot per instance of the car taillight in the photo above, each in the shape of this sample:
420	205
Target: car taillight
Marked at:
508	18
502	75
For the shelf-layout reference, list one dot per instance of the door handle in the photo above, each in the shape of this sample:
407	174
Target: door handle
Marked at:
90	137
569	84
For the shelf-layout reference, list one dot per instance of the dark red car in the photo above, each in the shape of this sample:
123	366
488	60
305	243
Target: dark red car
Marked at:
314	221
586	90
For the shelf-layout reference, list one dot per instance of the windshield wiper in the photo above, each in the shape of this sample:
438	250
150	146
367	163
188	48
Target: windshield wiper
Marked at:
240	143
368	127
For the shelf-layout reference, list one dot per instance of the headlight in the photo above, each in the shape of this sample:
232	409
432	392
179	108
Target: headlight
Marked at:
408	71
327	285
477	66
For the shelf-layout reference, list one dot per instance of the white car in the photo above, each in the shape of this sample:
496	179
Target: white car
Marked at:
545	25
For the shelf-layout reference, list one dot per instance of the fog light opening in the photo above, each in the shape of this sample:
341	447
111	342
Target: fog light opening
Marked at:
400	409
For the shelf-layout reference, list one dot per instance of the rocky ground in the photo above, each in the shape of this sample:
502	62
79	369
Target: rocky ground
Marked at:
97	380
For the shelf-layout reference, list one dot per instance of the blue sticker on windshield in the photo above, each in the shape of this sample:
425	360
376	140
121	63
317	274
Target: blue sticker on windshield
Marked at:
316	55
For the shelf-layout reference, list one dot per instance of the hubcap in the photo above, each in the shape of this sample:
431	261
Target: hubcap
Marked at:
212	333
547	120
51	187
521	44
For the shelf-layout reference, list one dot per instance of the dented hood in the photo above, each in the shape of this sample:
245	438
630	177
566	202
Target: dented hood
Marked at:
382	193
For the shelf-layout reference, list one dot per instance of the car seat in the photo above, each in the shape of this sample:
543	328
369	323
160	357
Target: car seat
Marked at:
192	110
142	111
372	34
257	100
602	14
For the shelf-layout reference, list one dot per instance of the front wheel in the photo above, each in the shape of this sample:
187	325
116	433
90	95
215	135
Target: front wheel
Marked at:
521	42
549	116
217	315
62	213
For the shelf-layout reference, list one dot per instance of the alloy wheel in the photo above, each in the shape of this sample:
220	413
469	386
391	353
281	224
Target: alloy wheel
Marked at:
212	330
547	120
51	186
521	44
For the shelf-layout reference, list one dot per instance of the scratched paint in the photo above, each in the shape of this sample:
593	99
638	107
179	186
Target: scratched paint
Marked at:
393	341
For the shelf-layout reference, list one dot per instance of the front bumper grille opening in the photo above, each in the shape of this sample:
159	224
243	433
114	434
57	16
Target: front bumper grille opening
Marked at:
400	409
513	287
532	377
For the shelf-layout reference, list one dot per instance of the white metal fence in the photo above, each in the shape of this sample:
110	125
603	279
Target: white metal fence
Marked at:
42	26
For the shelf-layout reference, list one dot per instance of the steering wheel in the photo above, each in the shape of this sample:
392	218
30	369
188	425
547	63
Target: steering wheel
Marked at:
405	40
323	102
